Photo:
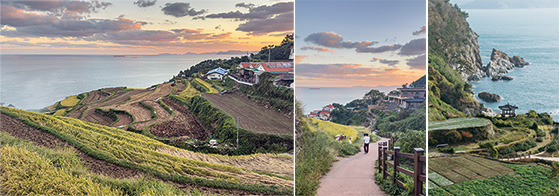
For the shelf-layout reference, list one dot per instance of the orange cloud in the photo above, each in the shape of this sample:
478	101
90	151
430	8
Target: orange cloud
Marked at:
299	58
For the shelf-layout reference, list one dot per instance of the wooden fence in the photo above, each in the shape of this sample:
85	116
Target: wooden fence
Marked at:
419	173
514	157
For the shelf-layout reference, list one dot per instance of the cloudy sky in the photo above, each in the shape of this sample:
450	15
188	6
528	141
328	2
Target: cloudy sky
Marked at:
360	43
141	26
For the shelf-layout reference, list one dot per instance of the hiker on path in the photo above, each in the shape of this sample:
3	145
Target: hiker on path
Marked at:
366	142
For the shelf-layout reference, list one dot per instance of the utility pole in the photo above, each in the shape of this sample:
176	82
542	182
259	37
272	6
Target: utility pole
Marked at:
269	54
237	146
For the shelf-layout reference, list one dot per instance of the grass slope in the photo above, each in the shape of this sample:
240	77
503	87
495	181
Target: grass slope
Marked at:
61	172
137	151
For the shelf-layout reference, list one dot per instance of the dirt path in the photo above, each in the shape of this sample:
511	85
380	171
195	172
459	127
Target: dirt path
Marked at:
352	175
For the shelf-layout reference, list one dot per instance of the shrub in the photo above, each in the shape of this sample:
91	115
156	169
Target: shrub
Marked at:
454	136
447	150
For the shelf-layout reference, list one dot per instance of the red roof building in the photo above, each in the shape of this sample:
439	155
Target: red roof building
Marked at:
272	67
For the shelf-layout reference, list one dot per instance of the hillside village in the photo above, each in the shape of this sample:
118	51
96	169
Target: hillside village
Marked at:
408	97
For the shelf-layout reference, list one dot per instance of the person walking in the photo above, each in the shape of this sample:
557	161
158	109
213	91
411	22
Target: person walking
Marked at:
366	142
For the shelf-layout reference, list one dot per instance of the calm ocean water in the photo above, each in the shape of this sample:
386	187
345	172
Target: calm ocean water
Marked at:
531	34
315	99
36	81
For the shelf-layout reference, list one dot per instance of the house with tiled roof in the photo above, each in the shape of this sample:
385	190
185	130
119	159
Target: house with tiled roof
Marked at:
329	108
325	115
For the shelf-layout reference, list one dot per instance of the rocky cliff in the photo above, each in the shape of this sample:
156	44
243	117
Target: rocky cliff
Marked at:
451	38
453	59
500	64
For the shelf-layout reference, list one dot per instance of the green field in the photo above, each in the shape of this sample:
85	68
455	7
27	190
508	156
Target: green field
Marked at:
465	168
524	180
436	180
458	123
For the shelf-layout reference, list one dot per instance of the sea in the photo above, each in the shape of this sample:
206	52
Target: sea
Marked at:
32	82
528	33
316	98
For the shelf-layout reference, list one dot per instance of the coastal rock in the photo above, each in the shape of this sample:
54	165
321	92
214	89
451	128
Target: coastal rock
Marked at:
500	63
489	97
489	112
501	77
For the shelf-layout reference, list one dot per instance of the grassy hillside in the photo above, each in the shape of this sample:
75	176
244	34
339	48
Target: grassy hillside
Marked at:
137	151
316	149
449	95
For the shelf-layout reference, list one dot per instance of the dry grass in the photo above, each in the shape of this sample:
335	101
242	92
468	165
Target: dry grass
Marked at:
333	129
209	86
27	173
189	91
70	101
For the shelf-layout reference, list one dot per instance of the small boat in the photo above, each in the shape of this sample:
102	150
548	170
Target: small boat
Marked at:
118	55
314	88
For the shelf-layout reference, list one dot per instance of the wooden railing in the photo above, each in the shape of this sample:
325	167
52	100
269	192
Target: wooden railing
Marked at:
419	173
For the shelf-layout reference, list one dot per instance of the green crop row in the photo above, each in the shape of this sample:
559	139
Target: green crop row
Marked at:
527	180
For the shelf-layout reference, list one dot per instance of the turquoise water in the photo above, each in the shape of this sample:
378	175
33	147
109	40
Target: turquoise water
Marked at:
531	34
315	99
36	81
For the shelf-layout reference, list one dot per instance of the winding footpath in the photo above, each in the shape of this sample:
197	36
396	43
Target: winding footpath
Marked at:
352	175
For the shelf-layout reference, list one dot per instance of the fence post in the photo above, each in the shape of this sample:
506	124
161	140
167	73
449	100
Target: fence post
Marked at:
417	171
395	163
379	157
384	162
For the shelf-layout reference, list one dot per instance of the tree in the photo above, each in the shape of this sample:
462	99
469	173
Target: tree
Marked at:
373	96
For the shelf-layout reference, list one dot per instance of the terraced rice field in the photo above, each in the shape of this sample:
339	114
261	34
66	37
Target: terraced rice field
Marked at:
137	151
209	86
459	169
458	123
70	101
189	91
181	123
129	112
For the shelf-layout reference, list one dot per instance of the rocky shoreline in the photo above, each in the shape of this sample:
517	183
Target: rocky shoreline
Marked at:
500	64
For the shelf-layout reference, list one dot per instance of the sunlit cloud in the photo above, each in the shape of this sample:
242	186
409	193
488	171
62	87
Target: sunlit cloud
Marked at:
317	48
421	31
347	75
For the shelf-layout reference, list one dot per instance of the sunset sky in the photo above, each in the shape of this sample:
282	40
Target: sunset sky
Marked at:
142	26
359	43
